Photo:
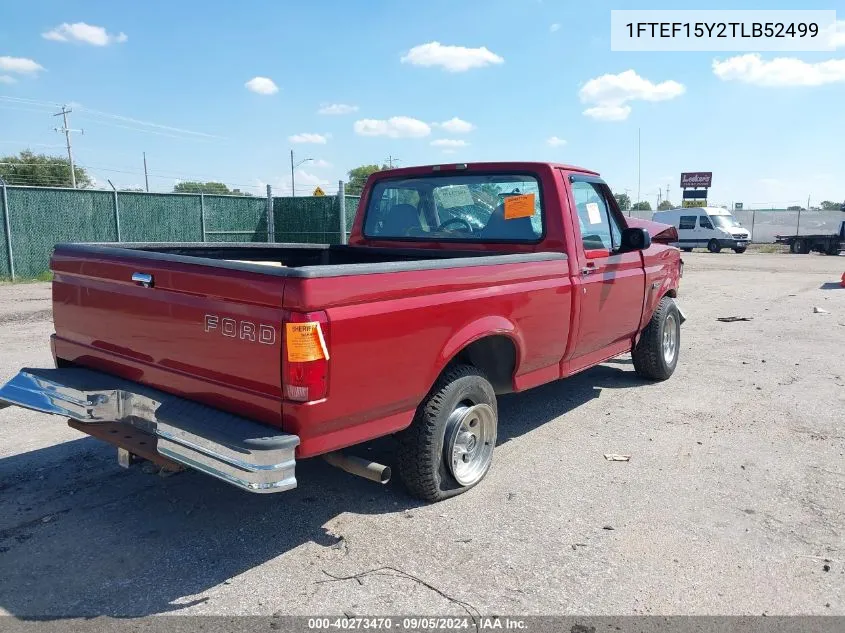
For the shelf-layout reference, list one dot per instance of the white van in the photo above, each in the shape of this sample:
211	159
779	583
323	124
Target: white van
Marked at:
712	228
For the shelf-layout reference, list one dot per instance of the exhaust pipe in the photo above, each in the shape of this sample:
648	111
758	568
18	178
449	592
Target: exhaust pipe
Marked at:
378	473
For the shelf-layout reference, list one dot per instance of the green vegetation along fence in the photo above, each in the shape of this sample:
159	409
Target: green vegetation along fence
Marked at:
34	219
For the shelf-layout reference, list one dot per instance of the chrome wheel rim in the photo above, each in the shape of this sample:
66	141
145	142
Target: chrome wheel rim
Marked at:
670	339
470	439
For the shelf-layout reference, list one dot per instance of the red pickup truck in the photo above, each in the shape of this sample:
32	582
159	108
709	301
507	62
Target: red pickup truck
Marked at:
460	282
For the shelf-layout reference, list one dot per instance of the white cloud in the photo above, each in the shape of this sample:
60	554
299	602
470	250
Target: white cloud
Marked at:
554	27
324	164
262	86
307	178
20	65
307	137
608	112
457	126
608	94
337	108
780	71
85	33
394	127
554	141
448	142
455	59
7	79
836	34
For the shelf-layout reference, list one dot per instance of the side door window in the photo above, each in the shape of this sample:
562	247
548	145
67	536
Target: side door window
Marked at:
704	222
599	228
687	222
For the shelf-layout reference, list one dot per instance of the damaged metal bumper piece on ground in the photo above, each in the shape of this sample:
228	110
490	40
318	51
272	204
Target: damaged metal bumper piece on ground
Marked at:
238	451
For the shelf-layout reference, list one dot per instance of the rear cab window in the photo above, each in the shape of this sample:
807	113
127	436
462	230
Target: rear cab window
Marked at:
465	207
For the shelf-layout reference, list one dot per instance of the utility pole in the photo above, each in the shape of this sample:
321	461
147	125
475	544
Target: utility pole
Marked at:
146	177
390	160
667	193
639	163
67	131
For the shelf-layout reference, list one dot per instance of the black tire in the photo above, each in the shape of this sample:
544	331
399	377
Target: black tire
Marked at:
739	250
713	246
649	358
833	249
421	463
792	248
687	249
802	247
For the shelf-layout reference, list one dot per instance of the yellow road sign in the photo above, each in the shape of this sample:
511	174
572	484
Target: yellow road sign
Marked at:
318	192
686	204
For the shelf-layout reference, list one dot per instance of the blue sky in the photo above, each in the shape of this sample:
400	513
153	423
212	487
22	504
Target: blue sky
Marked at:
768	136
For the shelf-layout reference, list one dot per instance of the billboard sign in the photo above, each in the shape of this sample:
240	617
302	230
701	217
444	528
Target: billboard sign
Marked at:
695	194
696	179
688	204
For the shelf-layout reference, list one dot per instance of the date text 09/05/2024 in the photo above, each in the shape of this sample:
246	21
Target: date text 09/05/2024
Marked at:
722	29
417	623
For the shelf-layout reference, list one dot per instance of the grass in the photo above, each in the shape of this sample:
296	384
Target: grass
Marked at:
769	248
44	276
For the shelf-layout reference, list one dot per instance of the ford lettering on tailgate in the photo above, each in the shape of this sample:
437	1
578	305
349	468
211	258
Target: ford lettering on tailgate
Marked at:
243	330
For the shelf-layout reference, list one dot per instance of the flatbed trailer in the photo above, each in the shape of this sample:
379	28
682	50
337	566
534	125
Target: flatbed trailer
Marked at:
829	244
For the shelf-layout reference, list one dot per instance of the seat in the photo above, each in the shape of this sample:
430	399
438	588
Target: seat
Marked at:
399	219
498	228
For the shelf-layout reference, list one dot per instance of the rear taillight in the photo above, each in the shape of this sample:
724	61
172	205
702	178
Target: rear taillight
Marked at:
305	356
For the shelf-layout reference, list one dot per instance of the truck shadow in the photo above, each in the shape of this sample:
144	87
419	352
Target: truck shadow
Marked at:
81	537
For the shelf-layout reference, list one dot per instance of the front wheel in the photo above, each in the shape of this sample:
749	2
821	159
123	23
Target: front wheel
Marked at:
449	446
713	246
656	353
739	250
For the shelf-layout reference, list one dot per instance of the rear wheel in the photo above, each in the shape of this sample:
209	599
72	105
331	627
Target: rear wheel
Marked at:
449	446
802	247
739	250
687	249
656	354
713	246
833	249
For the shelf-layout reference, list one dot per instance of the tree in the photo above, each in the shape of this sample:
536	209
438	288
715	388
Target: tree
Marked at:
795	208
641	206
665	205
191	186
623	200
827	205
358	177
40	170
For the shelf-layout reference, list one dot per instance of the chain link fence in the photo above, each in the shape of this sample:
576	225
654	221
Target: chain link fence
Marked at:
34	219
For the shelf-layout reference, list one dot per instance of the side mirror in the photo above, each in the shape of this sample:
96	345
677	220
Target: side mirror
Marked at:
635	240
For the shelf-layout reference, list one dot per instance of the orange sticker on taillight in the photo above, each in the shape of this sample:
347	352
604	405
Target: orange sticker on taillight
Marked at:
304	342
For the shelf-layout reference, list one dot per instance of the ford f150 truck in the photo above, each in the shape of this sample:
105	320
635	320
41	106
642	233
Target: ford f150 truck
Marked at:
460	282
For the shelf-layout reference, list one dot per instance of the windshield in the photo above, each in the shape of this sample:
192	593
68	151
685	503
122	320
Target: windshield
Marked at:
724	221
463	207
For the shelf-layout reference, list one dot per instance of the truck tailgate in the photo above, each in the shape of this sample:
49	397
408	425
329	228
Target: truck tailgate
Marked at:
210	334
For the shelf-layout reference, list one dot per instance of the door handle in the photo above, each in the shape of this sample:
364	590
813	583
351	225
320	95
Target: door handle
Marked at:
143	279
589	268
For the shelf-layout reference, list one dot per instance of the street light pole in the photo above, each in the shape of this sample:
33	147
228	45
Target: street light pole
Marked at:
293	166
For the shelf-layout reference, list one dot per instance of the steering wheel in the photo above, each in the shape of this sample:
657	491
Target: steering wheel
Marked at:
456	221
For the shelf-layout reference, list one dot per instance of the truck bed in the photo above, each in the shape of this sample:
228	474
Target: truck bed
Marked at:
301	260
209	326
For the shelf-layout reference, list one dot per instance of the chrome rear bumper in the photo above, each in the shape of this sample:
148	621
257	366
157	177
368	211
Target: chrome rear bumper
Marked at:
243	453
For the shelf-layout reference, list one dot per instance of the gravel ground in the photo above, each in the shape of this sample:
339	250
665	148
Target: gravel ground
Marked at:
731	504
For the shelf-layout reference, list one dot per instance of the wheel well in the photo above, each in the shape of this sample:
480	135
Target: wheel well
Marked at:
673	292
495	356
